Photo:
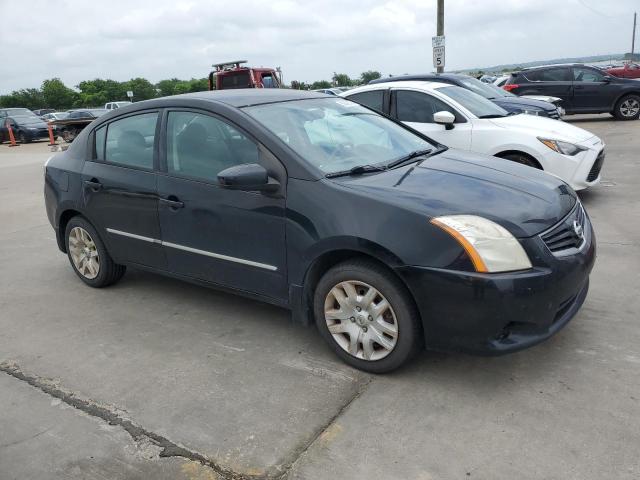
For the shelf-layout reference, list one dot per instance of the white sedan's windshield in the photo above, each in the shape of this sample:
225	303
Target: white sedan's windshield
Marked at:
479	106
336	134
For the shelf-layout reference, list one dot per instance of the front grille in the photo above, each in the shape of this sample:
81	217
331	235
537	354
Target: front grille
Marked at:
568	234
597	166
554	114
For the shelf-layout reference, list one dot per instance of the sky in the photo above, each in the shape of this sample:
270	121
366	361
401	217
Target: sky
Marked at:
121	39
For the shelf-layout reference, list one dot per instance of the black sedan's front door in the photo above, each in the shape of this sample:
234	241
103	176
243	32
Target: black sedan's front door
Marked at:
233	238
592	90
119	191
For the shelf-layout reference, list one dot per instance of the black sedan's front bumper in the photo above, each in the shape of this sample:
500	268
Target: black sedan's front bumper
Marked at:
500	313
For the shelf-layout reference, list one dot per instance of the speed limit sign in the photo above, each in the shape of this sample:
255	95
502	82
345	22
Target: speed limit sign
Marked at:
438	57
438	51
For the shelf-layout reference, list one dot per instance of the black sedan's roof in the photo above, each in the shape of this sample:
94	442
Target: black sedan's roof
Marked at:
243	97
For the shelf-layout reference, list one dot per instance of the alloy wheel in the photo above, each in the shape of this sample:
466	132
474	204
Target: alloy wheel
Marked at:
630	107
84	253
361	320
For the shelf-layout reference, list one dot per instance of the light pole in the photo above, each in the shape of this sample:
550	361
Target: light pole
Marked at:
440	27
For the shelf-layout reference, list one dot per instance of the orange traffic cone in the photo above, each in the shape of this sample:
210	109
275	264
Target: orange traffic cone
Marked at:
12	139
52	140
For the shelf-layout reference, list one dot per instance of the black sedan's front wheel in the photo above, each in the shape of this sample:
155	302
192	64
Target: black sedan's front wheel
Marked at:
367	316
627	108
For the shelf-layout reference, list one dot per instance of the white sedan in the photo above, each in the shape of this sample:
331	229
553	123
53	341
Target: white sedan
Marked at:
459	118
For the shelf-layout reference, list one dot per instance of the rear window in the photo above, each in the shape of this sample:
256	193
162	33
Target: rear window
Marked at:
236	80
549	75
130	141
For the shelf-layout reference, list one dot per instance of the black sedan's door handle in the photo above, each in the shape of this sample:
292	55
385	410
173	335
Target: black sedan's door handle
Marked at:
93	184
172	202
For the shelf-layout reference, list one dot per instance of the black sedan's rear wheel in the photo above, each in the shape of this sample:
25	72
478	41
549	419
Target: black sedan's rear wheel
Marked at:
627	108
22	138
367	316
88	255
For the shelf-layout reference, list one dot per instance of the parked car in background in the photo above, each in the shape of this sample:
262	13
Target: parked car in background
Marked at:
487	78
460	118
582	88
508	101
43	111
10	112
114	105
70	126
328	91
628	70
26	128
386	239
501	80
50	117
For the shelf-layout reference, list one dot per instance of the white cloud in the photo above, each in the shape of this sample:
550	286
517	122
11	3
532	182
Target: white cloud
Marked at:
156	39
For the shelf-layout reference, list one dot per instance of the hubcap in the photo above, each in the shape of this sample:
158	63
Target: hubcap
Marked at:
361	320
630	107
84	253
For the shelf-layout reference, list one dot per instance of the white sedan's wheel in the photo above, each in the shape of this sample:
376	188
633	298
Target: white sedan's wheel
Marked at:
84	253
361	320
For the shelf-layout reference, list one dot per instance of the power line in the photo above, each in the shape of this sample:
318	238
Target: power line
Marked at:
597	12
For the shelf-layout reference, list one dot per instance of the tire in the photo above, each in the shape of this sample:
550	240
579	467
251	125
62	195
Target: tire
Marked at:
397	326
627	108
88	256
522	159
22	138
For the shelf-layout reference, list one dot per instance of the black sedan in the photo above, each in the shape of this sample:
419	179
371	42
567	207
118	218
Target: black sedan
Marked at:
506	100
26	128
386	239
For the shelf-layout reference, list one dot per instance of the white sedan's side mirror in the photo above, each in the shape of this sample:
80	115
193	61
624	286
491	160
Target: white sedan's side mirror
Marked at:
444	118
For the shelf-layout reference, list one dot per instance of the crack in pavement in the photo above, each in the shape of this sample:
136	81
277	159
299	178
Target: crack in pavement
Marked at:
169	448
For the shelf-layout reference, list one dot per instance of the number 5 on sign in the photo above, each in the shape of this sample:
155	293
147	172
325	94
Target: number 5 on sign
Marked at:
438	56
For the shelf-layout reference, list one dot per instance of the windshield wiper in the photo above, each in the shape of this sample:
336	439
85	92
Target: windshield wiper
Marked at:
359	170
492	115
409	158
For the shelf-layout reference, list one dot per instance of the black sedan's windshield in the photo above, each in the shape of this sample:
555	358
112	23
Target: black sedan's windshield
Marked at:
335	134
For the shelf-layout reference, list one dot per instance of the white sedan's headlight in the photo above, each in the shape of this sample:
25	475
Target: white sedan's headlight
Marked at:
564	148
490	247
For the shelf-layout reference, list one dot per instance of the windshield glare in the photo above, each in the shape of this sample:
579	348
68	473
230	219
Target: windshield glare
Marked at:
479	106
336	134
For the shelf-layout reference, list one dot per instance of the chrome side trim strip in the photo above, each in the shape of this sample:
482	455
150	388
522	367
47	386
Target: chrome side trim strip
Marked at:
133	235
219	256
194	250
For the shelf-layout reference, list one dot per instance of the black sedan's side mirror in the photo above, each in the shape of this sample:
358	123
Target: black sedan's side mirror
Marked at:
607	79
249	177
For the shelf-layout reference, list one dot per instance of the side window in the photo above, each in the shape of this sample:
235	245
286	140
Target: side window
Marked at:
587	75
373	99
98	143
418	107
201	146
549	75
130	141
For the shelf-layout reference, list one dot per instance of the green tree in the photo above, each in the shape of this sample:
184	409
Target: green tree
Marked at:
320	84
97	92
366	77
342	80
57	95
30	98
167	87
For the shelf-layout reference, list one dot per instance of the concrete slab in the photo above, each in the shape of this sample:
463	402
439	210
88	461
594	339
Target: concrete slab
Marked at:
42	437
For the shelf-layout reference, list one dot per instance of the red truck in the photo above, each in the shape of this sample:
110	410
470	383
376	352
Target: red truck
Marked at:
230	75
628	70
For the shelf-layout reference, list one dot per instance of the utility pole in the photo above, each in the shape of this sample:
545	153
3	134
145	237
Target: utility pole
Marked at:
633	38
440	27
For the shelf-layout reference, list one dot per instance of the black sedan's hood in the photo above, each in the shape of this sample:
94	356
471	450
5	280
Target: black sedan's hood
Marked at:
522	199
518	103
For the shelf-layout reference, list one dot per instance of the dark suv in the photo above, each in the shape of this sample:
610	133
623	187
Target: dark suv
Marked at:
582	88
